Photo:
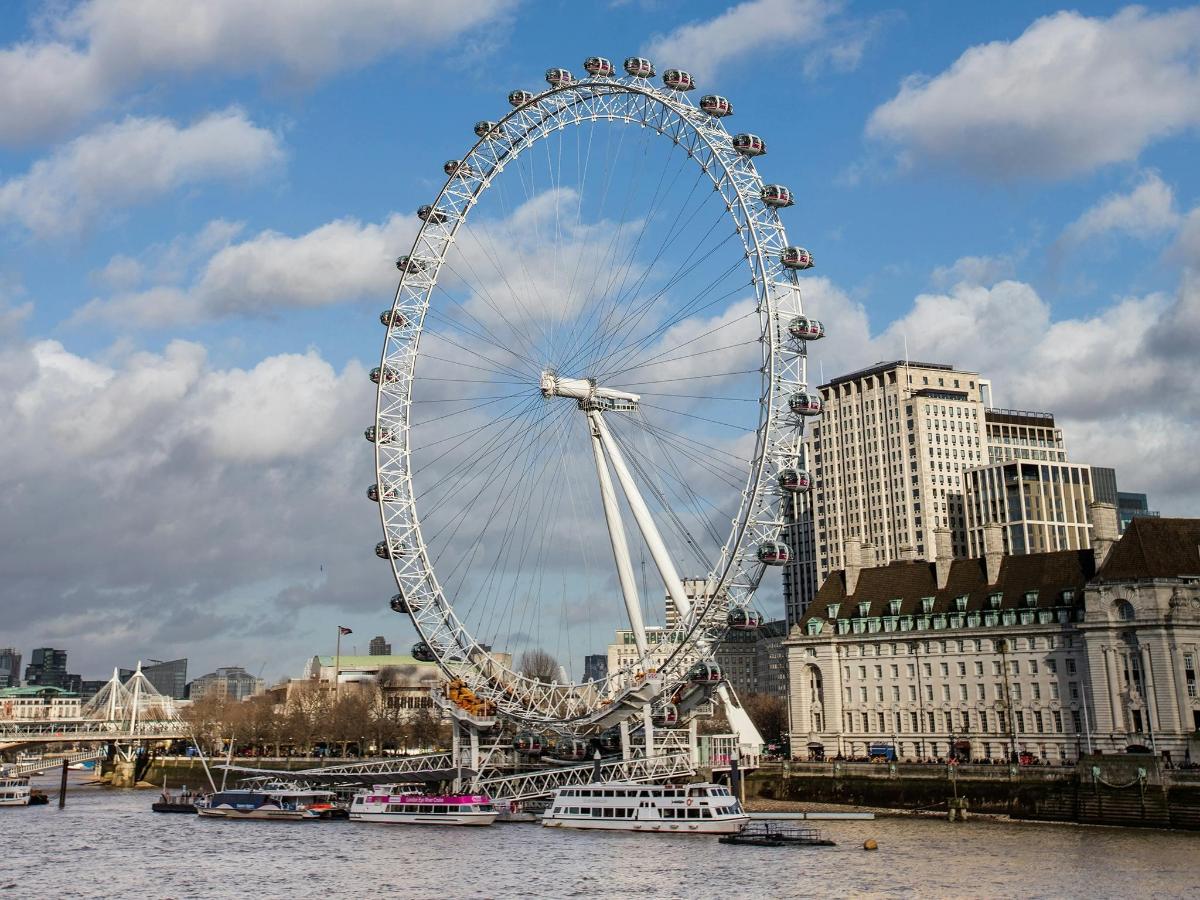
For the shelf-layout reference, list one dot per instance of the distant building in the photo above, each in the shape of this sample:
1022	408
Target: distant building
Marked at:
38	702
1130	505
379	647
755	662
1104	485
48	668
169	678
10	667
1041	506
623	652
595	667
227	683
404	682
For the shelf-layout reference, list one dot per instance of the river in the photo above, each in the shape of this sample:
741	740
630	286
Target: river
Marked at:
107	843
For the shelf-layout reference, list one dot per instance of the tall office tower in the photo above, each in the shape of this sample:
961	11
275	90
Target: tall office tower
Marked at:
10	667
887	458
379	646
48	667
169	678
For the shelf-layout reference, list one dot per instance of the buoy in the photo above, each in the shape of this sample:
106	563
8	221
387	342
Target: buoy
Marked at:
869	844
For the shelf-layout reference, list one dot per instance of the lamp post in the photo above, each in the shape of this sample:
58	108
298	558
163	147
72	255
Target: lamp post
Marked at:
337	661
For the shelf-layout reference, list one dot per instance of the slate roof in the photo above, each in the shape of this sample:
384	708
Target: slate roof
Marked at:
1047	573
1154	548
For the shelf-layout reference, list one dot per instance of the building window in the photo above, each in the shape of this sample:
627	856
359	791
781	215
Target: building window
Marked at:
926	605
1070	667
1189	673
1020	717
1057	716
1076	721
1037	721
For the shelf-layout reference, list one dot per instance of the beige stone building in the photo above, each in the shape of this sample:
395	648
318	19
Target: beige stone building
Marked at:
1040	506
1047	655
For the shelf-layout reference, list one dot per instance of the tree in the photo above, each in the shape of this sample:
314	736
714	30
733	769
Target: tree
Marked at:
769	714
539	665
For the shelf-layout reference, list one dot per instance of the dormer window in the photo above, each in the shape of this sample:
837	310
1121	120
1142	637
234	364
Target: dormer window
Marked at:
994	601
926	604
894	607
1068	596
864	608
960	603
1031	598
833	610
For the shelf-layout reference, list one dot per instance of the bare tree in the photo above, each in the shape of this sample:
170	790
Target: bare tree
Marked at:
539	665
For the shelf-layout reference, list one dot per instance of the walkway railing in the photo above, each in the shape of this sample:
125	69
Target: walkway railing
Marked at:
83	729
45	765
543	783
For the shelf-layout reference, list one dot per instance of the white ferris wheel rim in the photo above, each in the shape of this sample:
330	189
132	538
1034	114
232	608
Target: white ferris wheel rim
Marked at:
736	574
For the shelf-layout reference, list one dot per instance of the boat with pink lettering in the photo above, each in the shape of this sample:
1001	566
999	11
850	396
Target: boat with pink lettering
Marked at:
382	804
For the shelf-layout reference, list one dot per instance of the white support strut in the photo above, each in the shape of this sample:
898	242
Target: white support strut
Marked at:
641	513
616	534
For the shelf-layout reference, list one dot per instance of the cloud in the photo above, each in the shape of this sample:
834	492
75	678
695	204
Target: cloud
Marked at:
338	262
1146	211
97	50
1118	380
1070	95
751	29
132	162
190	497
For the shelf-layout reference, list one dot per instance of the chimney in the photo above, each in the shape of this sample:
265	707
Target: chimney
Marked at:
868	557
908	553
993	550
943	555
1104	529
852	551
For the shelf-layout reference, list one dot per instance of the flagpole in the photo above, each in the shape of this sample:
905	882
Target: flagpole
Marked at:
337	665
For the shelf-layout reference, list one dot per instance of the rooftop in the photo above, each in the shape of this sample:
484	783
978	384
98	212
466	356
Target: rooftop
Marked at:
36	690
881	367
1154	548
1019	417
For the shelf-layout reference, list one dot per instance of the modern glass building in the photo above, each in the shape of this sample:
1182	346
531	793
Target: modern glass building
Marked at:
1042	506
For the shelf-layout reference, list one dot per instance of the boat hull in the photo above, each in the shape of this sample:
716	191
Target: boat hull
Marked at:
389	818
724	825
277	815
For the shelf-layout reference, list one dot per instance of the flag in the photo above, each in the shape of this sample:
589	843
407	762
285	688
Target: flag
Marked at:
344	630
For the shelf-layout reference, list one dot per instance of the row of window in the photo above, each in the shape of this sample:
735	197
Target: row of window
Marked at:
966	722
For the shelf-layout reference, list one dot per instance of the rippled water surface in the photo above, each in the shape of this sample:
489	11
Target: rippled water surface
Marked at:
108	844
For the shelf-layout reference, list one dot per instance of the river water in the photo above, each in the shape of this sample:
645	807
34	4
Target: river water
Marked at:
108	843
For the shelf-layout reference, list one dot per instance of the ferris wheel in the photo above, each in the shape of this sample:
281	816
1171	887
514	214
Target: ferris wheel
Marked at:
591	396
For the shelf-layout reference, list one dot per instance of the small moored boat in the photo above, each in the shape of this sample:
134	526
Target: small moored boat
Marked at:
289	804
381	804
14	791
770	834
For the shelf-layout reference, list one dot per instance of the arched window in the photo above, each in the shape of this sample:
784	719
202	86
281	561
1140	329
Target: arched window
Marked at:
1124	610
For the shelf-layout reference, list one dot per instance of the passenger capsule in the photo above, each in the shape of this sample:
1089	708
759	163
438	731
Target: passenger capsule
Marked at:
678	80
609	740
385	374
399	603
796	258
776	195
598	67
773	553
457	167
381	435
559	77
408	264
384	551
527	742
664	715
639	67
422	652
716	105
393	318
794	481
389	492
704	673
749	144
803	403
742	619
428	214
485	128
520	98
802	328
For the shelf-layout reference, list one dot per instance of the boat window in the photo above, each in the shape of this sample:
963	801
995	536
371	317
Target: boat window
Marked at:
439	810
596	812
608	793
486	807
693	813
608	813
645	793
426	809
706	814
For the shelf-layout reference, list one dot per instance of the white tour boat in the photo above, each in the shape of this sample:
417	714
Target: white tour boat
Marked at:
279	802
666	808
14	791
380	804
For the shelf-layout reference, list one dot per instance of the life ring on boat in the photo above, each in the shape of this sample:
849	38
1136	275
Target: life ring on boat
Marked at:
689	801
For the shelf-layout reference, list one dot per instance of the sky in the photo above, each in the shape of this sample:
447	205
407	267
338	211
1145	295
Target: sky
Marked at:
200	205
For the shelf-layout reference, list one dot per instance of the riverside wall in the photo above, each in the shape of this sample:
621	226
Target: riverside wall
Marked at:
1102	790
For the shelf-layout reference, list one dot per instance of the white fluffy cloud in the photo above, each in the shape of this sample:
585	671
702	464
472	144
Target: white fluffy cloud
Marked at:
340	261
1069	95
753	28
96	50
132	162
1119	380
1146	211
163	499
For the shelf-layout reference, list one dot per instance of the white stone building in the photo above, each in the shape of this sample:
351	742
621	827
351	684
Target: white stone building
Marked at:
1043	655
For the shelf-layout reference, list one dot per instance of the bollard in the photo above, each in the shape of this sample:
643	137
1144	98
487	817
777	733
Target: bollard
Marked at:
62	788
870	844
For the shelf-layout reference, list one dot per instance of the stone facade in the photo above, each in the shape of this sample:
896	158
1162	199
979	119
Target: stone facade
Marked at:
1042	654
